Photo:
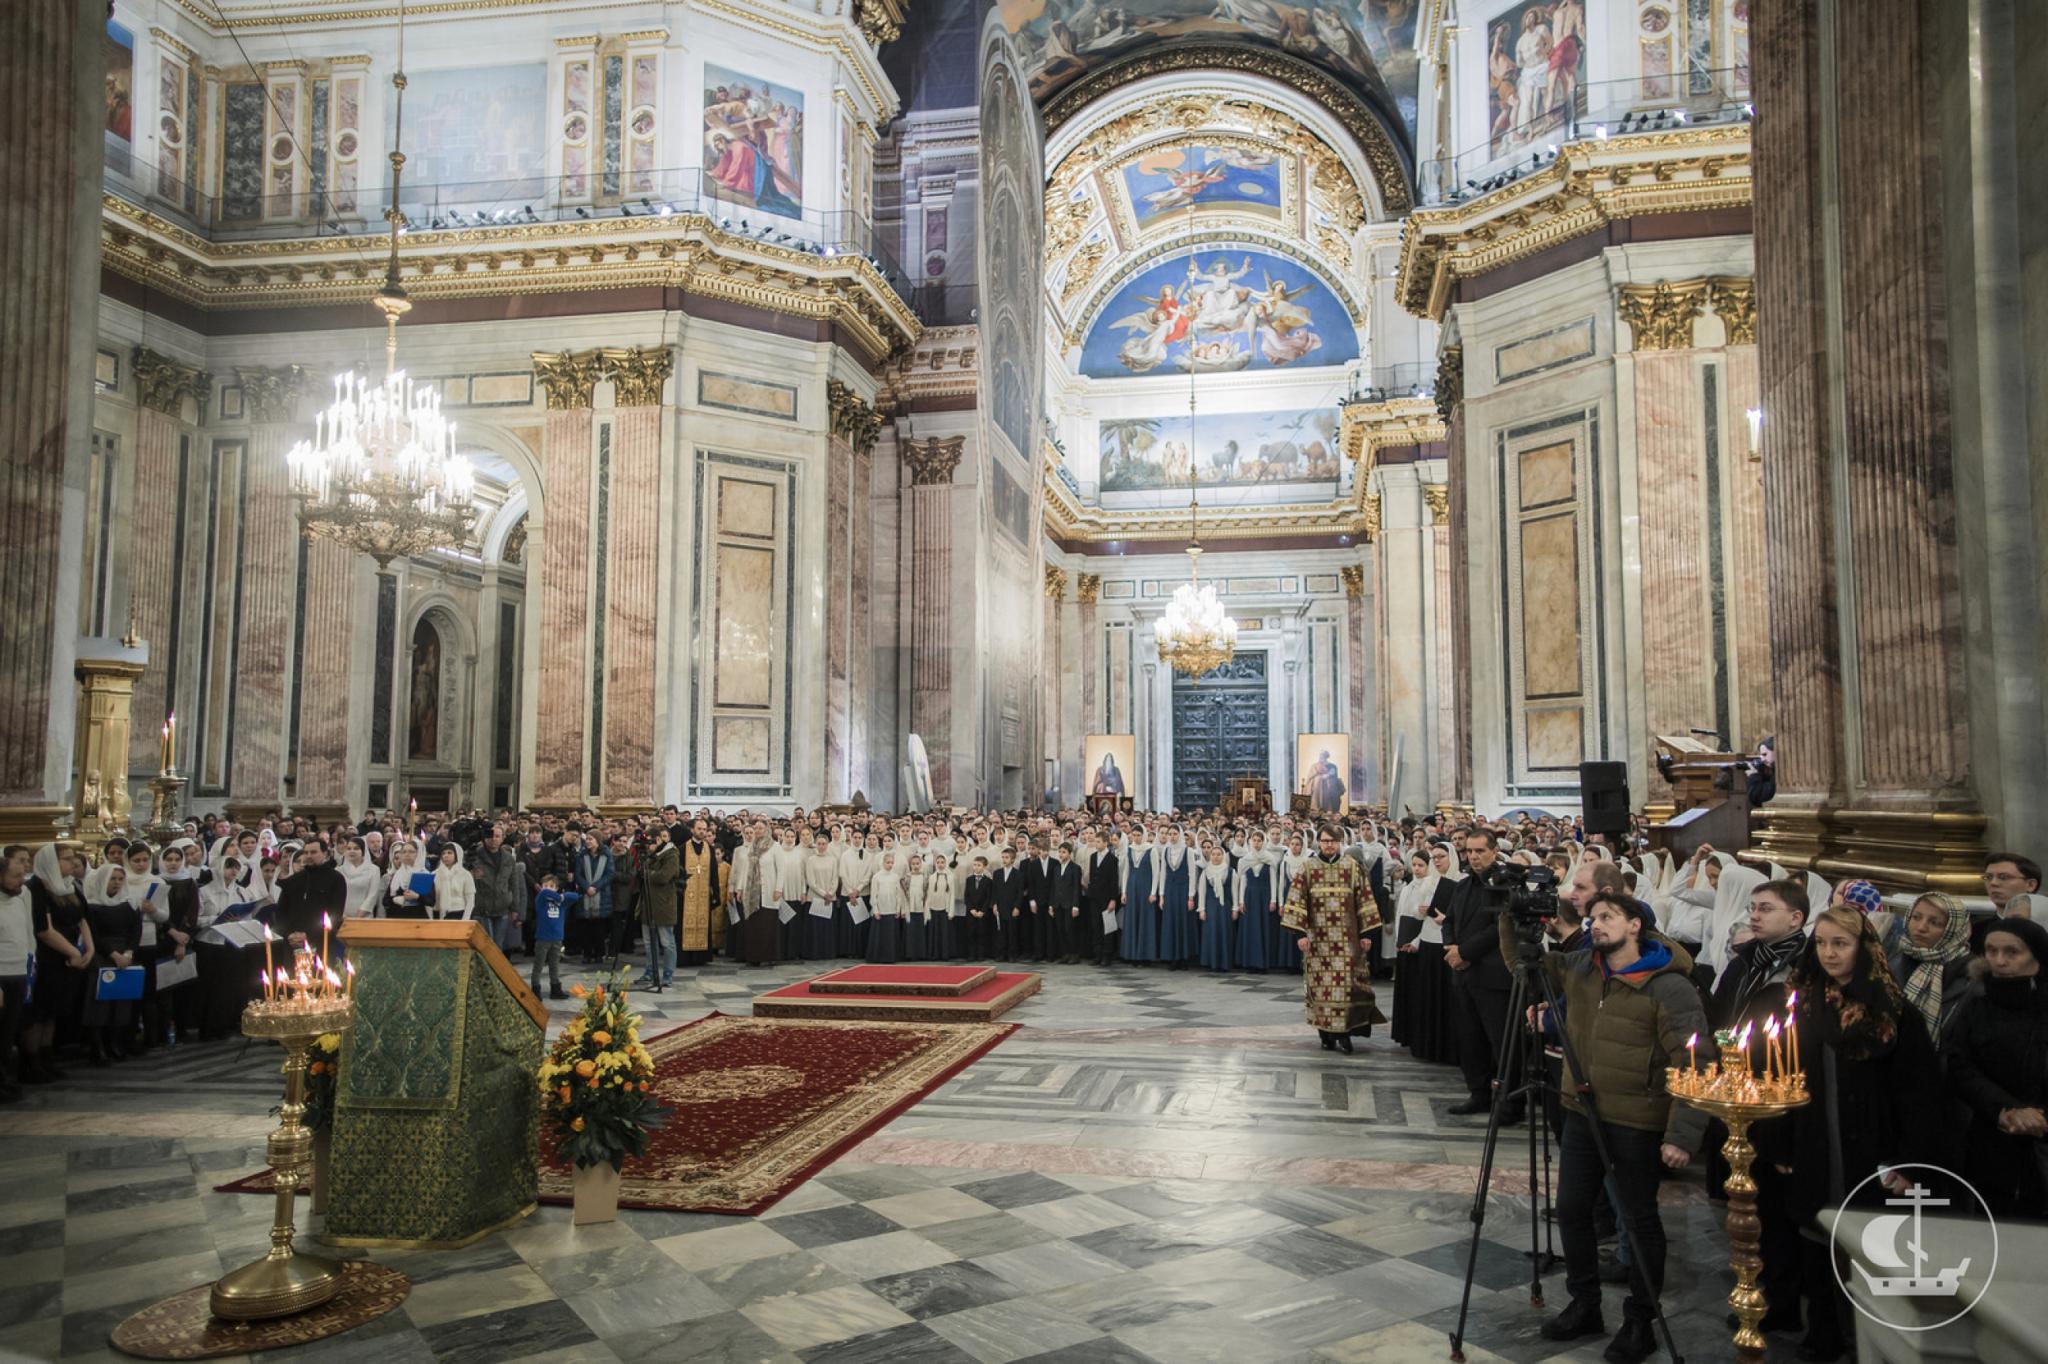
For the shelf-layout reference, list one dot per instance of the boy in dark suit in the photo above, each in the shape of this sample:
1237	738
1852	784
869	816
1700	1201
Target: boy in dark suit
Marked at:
979	895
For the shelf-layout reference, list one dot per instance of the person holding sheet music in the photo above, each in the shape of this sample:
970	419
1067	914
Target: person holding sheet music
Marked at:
856	871
107	1012
916	945
409	890
149	894
1102	898
64	948
820	887
942	938
885	898
180	871
17	947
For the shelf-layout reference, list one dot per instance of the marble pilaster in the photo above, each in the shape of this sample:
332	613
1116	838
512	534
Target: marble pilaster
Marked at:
1049	699
1406	580
1094	720
165	387
1444	691
270	566
632	554
1678	623
931	463
854	427
324	681
50	161
860	663
1364	743
569	381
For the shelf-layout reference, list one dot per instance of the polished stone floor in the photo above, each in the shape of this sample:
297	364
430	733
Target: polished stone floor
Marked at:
1157	1166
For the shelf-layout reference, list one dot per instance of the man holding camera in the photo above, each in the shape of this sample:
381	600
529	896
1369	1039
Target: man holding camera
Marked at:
1629	1008
1479	981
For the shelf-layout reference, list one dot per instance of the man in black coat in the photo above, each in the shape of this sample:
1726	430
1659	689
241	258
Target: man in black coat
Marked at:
1044	871
316	888
1479	981
1105	887
1066	901
979	898
1011	887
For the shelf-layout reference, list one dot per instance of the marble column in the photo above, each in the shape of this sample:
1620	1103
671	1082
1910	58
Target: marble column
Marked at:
270	579
1049	705
1094	716
50	164
1677	570
632	553
165	388
860	663
1860	505
1407	579
1450	405
569	380
1443	688
322	789
1364	741
931	463
854	427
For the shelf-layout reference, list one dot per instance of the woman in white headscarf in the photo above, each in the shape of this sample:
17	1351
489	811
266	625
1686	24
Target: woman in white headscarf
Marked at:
1688	898
454	887
1425	1018
1727	925
150	896
64	950
116	927
401	901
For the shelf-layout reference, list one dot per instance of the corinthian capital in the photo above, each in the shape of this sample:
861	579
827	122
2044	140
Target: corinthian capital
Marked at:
272	393
570	378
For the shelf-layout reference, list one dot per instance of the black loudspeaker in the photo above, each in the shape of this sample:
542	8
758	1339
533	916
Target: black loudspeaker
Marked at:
1603	795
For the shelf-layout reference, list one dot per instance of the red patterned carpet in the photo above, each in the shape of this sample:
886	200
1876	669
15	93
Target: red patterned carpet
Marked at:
757	1106
983	1003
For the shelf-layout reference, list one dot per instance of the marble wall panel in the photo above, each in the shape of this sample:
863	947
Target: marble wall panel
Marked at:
742	615
220	606
1748	559
743	618
1550	581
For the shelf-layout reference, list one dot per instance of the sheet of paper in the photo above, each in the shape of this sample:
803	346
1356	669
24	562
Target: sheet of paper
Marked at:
785	913
170	972
732	914
821	908
1109	921
858	908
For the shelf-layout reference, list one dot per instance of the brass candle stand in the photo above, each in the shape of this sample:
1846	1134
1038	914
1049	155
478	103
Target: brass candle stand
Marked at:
296	1011
1731	1091
163	804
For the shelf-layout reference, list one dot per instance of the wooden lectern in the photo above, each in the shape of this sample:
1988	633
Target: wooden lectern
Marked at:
1709	797
436	1114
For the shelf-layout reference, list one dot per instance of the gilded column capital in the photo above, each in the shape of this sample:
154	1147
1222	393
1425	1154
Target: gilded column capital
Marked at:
1055	582
638	375
1660	315
1372	518
851	419
1354	580
933	460
1733	300
1450	381
162	384
1438	495
271	393
880	21
1087	588
570	378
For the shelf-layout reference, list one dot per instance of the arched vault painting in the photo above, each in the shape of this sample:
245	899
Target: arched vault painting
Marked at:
1172	180
1222	310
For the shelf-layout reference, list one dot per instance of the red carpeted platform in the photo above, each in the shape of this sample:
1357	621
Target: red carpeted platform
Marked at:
918	1000
902	980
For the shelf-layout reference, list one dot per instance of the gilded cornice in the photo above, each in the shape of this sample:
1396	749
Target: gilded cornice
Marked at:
1368	428
270	394
1370	512
1055	581
1088	588
569	379
945	363
852	419
686	251
638	375
1591	184
1388	166
178	49
1353	576
1450	381
932	462
162	384
1073	521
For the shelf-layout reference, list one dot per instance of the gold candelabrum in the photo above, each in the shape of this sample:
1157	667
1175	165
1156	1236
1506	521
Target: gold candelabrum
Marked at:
1740	1093
165	786
299	1005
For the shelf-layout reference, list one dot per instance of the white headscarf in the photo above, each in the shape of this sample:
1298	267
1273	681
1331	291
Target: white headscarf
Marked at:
49	870
1729	919
96	892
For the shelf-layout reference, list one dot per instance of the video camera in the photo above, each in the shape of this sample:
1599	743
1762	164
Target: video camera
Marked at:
1527	895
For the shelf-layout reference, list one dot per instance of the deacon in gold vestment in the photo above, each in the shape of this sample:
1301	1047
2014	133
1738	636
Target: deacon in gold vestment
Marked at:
1330	904
701	899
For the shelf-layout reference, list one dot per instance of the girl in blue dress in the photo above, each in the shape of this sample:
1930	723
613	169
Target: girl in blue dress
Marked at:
1173	889
1215	911
1286	950
1140	917
1257	914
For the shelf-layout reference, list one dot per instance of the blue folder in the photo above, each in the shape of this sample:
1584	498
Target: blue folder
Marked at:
423	884
119	982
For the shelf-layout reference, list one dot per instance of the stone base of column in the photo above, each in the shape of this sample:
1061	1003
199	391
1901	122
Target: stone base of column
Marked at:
1914	851
247	812
33	825
558	807
321	813
1790	835
621	809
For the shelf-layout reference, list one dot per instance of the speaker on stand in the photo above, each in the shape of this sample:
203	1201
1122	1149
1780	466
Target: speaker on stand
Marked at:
1603	796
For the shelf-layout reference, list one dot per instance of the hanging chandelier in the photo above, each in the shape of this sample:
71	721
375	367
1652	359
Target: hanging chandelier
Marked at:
1196	635
380	474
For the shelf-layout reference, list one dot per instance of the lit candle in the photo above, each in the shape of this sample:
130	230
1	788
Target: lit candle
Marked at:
412	814
1792	1026
1692	1052
351	992
1771	1047
166	765
1742	1041
325	926
268	938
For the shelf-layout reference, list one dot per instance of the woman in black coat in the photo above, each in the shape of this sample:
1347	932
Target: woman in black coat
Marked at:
1876	1086
1997	1053
1932	959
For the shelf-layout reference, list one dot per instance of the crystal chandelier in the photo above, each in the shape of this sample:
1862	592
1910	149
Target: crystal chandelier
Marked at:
1196	635
381	474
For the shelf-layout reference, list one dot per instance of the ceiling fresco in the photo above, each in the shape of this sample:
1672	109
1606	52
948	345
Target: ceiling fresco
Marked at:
1219	310
1369	45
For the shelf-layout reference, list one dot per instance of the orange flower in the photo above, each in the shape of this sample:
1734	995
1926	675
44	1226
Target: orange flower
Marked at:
576	1126
643	1086
315	1068
578	991
564	1093
600	992
586	1068
602	1038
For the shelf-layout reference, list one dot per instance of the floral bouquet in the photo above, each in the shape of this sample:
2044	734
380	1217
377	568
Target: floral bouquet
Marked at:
597	1083
319	1088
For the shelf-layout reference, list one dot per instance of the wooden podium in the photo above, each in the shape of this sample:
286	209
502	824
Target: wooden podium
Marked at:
1709	797
436	1115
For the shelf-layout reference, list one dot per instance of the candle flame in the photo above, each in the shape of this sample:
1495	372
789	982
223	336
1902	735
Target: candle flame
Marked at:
324	924
1771	1026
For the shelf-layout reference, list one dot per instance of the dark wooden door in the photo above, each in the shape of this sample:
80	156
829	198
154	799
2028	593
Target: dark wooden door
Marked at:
1219	730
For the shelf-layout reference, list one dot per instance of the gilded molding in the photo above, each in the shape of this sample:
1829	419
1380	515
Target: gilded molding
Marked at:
1354	580
570	378
1438	496
1660	315
1055	582
932	462
852	420
1087	588
1071	520
1450	381
879	21
1372	518
638	375
178	49
1389	169
271	394
1591	184
1733	300
1368	428
162	384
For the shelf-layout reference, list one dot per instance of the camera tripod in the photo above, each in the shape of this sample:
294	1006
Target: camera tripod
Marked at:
1531	984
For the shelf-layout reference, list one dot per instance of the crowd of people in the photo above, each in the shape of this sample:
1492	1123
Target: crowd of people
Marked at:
1925	1027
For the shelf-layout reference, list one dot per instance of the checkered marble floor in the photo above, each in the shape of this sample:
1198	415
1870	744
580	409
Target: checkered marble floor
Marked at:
1158	1166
